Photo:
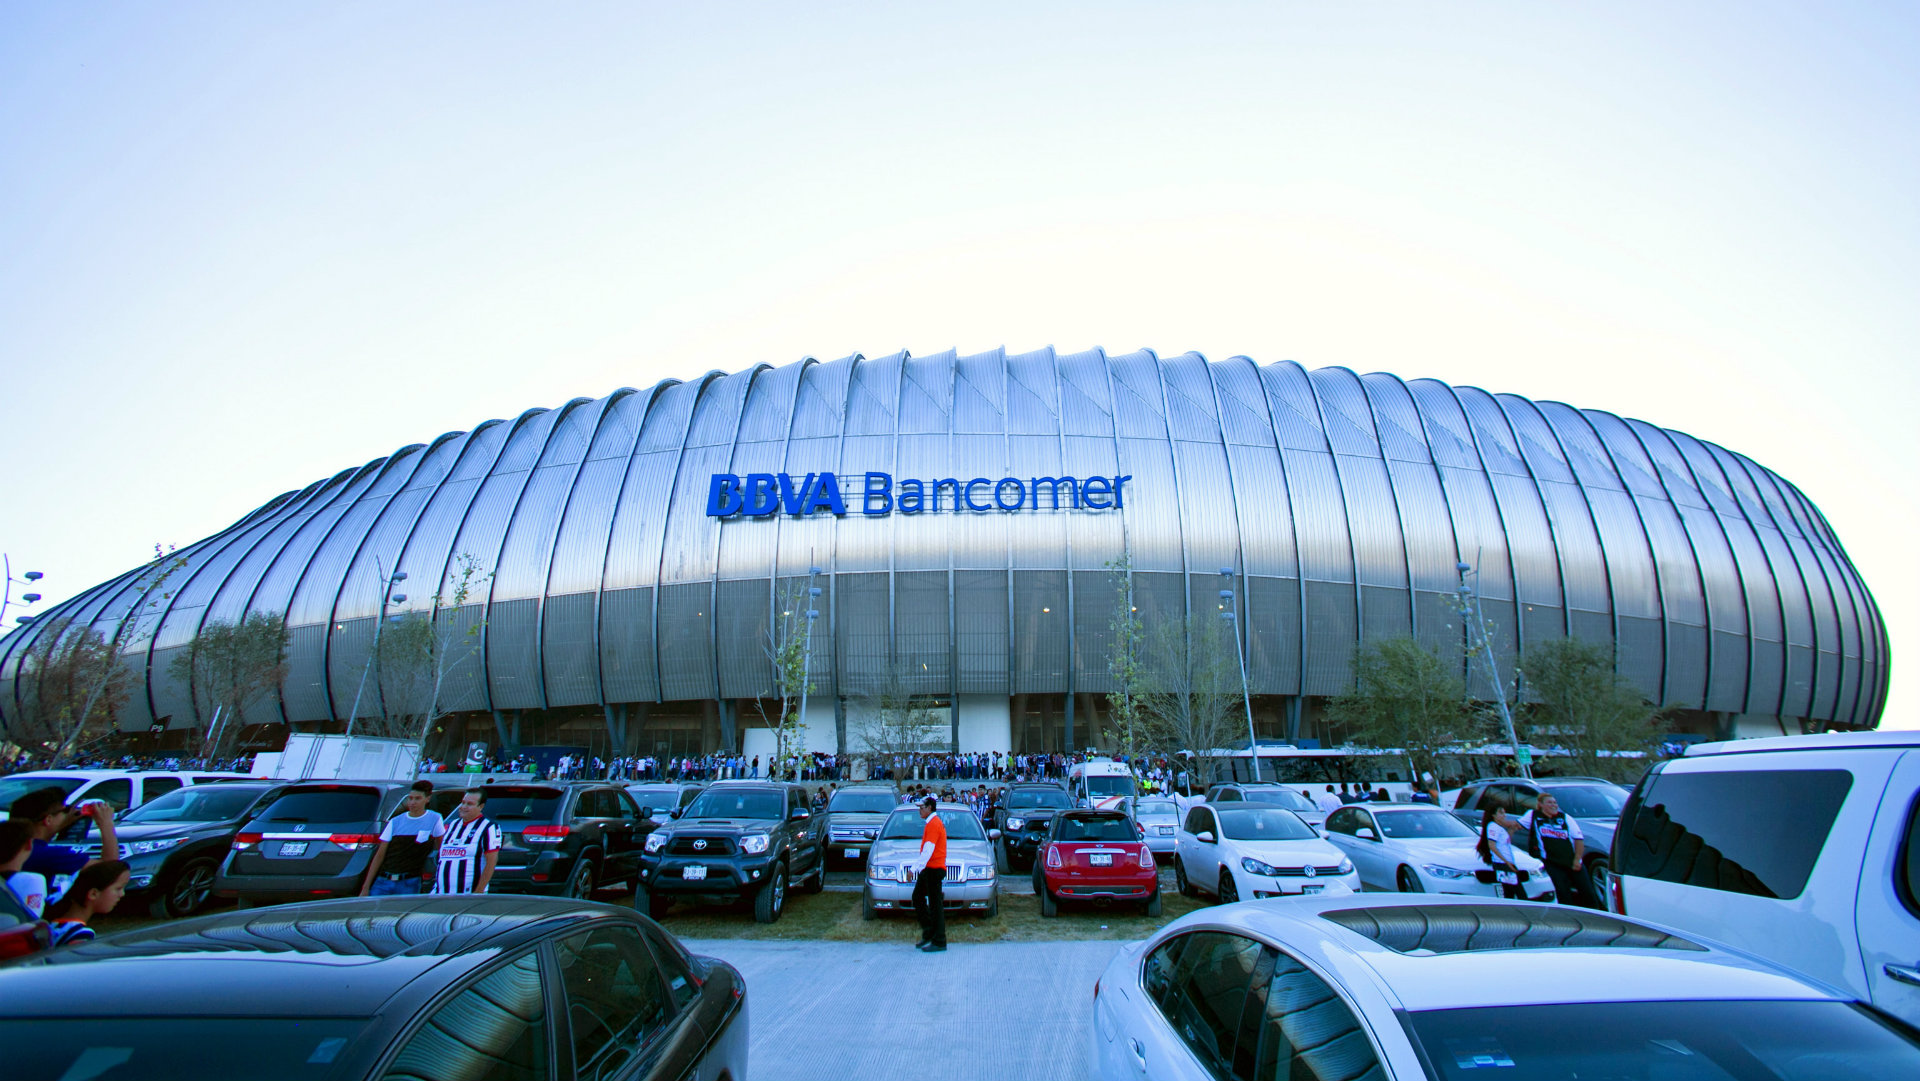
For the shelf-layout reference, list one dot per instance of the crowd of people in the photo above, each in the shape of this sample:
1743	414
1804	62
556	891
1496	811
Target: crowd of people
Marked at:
241	763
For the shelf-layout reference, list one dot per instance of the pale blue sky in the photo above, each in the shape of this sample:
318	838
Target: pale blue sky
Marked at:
245	246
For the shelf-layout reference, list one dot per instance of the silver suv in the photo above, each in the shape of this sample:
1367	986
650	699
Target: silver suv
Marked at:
854	817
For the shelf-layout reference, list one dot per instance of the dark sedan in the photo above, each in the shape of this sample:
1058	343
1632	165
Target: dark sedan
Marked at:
427	988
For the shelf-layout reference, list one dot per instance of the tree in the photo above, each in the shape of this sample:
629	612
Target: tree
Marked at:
1188	694
1127	660
1587	709
1404	698
895	720
789	649
420	655
230	666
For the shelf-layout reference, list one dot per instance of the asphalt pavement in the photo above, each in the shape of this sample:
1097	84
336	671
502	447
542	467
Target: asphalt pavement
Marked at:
844	1011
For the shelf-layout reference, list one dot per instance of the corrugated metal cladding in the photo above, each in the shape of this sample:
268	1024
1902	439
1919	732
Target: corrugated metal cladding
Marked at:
1340	503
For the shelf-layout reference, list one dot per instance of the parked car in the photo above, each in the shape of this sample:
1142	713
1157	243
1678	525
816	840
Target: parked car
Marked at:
1023	818
1095	856
665	798
1419	848
121	789
1457	989
739	840
1277	795
1804	850
314	840
174	845
855	815
1234	850
381	988
1594	803
566	838
971	884
1159	820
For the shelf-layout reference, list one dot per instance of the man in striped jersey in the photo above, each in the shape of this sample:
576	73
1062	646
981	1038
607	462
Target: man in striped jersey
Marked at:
470	850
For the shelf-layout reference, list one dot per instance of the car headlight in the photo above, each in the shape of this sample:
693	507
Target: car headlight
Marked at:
1016	823
881	872
1345	868
1438	871
979	870
753	843
656	842
1255	867
141	848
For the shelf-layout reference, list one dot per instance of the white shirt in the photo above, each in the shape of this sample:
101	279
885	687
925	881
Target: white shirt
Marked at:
1327	801
1501	843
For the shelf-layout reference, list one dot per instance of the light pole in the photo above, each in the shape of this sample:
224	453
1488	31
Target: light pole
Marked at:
806	651
1246	697
6	588
386	595
1480	643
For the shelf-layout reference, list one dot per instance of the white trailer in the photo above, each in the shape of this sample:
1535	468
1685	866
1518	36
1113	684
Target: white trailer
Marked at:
362	758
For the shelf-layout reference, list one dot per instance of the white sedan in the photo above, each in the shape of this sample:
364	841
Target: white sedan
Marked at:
1159	820
1419	848
1254	850
1384	988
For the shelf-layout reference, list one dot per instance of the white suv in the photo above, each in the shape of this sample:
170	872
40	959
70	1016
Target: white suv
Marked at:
120	788
1803	849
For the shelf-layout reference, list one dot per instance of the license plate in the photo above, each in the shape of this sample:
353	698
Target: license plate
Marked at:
694	874
293	848
1166	831
1101	859
1312	889
853	853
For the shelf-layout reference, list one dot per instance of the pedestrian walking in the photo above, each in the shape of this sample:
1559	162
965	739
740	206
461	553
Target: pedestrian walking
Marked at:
929	899
470	850
1557	841
399	865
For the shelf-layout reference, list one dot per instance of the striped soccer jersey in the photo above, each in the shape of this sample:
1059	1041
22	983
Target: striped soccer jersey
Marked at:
462	853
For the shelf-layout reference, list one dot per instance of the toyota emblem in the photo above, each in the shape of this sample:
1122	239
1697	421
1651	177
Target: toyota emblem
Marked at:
697	845
1310	872
299	827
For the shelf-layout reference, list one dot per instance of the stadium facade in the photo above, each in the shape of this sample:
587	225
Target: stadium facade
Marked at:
963	514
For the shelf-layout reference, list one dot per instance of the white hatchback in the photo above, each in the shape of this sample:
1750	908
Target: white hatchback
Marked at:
1245	851
1419	848
1459	989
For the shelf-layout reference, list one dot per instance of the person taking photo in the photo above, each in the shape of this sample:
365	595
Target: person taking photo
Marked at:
47	815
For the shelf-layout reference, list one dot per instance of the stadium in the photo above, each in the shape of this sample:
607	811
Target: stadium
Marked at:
962	518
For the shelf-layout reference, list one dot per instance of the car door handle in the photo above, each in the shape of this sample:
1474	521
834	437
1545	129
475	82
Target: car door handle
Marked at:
1904	974
1139	1053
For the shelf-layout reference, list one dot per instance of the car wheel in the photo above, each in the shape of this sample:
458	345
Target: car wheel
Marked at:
816	881
1001	864
1048	906
657	906
867	911
1600	880
772	898
1180	878
188	893
580	883
1153	904
993	906
1229	893
1407	881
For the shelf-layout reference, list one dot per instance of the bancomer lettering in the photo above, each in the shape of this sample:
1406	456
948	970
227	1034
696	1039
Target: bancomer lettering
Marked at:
763	495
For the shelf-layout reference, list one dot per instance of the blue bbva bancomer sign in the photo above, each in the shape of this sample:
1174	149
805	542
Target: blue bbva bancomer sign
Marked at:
763	495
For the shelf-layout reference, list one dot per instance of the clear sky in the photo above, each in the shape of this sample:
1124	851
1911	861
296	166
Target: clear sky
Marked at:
243	247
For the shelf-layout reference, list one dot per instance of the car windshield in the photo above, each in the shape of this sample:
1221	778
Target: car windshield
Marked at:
1422	825
1156	807
1104	828
736	803
1671	1041
328	805
1280	796
872	803
905	825
655	795
514	803
1589	800
1110	786
12	788
178	1048
1038	798
201	803
1263	824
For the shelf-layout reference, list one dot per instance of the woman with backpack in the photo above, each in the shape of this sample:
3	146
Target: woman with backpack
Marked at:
1496	851
95	890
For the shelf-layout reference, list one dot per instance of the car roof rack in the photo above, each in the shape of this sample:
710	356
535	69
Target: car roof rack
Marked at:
1426	930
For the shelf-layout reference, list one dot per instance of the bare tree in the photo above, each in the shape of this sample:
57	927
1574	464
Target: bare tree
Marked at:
421	656
895	720
1127	661
230	666
789	649
1188	697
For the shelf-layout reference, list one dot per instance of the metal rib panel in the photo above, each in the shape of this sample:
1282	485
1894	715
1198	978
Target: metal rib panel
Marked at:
1760	594
1826	629
1839	586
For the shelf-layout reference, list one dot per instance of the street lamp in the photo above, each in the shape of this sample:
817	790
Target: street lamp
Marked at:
1246	697
387	594
1480	643
6	588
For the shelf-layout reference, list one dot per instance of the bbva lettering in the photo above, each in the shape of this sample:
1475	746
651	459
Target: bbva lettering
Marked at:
764	495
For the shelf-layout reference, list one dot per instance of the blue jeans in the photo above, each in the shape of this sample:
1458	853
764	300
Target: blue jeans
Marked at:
389	887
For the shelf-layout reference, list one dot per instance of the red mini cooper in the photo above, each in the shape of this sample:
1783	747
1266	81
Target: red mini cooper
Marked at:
1095	856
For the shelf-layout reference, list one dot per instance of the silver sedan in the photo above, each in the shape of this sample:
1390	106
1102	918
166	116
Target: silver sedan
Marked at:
971	885
1159	820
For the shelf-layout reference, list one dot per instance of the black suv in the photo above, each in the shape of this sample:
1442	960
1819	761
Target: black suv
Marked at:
564	839
314	839
173	844
1023	816
739	839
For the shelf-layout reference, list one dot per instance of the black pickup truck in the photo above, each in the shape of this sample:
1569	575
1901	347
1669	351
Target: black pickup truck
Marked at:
1023	818
738	840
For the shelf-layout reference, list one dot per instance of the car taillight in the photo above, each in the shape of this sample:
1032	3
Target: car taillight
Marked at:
351	841
544	835
25	938
1053	857
245	840
1146	858
1618	898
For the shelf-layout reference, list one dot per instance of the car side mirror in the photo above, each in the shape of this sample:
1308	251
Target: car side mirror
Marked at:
800	813
993	835
646	812
1205	837
1365	833
675	813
